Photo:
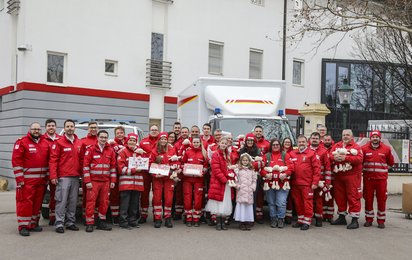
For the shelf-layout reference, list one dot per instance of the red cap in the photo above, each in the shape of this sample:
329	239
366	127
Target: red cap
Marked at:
132	135
376	132
163	134
250	136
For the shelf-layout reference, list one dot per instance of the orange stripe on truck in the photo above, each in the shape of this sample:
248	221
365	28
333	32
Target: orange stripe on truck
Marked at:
186	100
248	101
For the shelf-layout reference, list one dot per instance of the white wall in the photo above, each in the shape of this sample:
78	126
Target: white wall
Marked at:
95	30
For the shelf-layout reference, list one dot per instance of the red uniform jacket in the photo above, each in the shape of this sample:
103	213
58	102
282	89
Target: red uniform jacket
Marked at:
30	160
218	177
118	145
99	165
87	141
263	145
207	142
165	158
51	141
276	159
65	158
128	179
148	143
325	170
306	168
194	156
376	161
180	148
354	160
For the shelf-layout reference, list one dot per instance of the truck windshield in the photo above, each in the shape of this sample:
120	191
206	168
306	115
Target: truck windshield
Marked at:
272	128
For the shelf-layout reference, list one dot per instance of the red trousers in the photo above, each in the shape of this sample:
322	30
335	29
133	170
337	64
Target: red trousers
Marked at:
289	206
144	197
348	193
28	204
52	202
259	201
193	197
303	200
98	194
318	203
162	186
370	186
115	200
178	200
329	206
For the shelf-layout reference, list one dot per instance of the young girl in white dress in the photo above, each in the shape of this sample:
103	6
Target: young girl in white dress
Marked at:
246	185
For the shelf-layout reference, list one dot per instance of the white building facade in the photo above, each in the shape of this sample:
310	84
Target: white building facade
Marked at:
94	59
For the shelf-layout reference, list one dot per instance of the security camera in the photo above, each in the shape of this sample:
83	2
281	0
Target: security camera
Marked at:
24	47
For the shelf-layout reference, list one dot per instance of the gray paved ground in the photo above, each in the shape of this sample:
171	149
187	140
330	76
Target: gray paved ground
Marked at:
180	242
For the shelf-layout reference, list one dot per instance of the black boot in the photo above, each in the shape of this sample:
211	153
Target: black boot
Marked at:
318	222
103	226
223	223
158	223
24	232
288	221
341	220
354	224
281	223
142	220
168	223
219	223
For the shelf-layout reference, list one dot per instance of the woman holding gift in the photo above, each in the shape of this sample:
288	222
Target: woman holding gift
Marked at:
219	191
193	184
163	185
130	182
276	182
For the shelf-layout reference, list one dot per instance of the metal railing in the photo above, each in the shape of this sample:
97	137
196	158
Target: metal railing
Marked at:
158	73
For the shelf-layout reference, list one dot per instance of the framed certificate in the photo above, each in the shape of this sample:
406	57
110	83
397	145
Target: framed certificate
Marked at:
139	163
195	170
161	169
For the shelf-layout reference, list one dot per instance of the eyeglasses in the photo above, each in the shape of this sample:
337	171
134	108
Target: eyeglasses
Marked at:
275	144
35	129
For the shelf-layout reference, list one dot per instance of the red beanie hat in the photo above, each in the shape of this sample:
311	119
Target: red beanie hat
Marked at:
250	136
163	134
376	132
132	135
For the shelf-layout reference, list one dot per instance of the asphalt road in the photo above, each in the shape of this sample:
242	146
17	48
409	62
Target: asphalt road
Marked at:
181	242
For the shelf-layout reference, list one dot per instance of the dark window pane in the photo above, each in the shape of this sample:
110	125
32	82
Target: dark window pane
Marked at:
109	67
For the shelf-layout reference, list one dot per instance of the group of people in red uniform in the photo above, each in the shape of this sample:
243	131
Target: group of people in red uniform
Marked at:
190	173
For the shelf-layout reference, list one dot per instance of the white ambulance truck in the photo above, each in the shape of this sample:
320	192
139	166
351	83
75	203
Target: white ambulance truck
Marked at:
236	106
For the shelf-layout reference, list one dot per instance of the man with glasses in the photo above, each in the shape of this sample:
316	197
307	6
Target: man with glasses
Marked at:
87	141
65	170
147	144
50	136
30	161
99	176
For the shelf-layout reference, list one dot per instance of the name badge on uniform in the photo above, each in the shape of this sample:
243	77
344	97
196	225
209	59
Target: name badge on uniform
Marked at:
304	158
67	149
32	150
96	156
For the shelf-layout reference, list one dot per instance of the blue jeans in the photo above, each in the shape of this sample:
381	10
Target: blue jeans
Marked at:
277	202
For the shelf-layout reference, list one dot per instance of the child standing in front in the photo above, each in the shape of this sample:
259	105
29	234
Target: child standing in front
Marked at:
245	187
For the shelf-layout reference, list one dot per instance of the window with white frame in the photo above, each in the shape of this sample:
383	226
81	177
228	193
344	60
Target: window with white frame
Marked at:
56	67
110	67
255	63
298	67
258	2
215	58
